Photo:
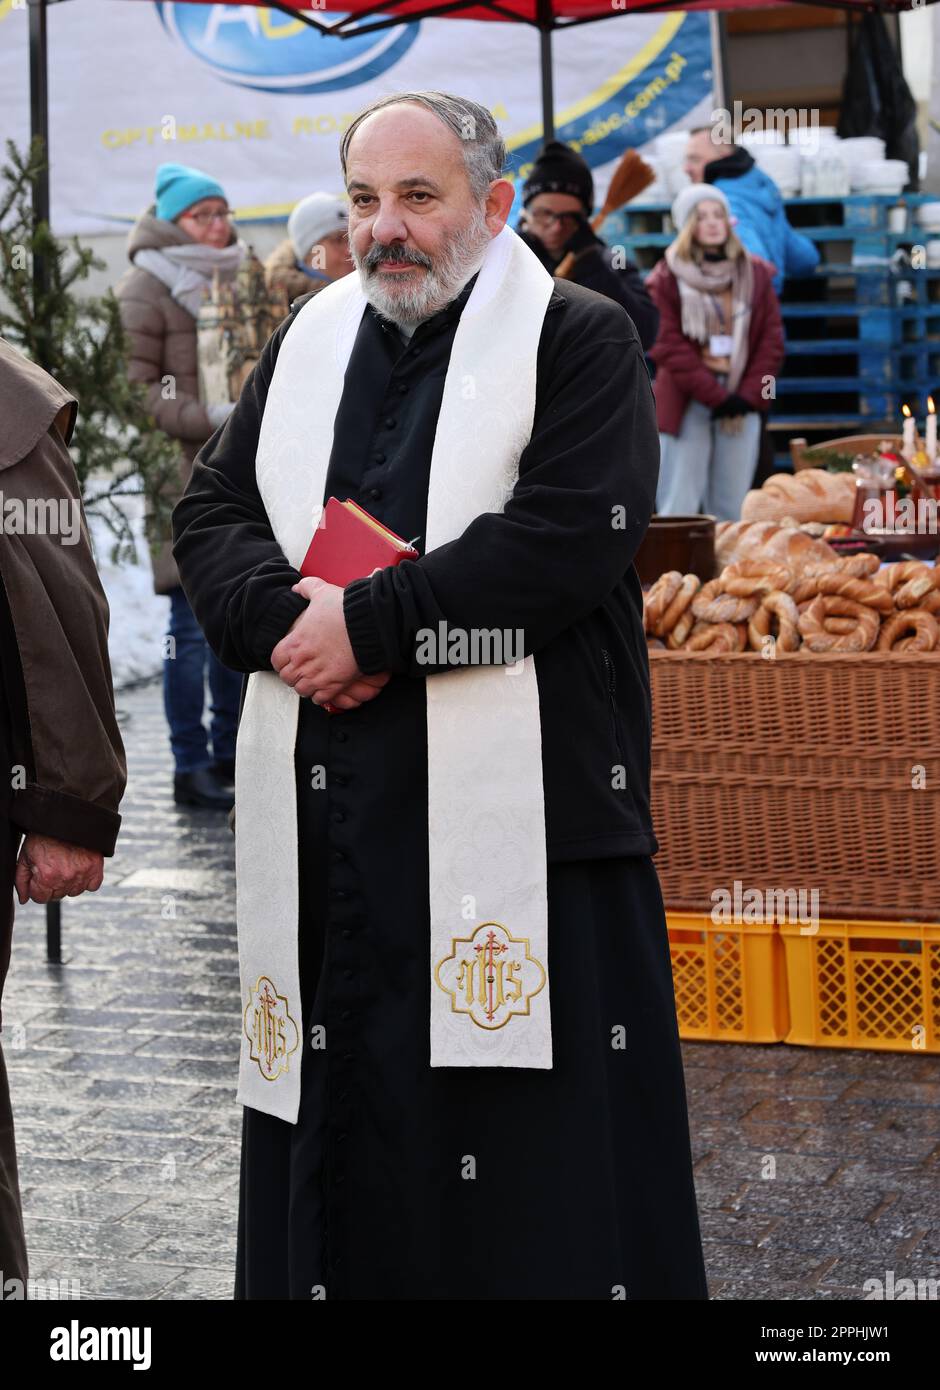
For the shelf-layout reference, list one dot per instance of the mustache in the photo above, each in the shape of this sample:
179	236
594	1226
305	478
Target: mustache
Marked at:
395	253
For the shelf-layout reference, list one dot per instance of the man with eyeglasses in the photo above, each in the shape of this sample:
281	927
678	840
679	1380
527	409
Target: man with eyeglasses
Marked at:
558	197
176	249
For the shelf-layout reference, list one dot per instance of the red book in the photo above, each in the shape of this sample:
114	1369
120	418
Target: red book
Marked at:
349	544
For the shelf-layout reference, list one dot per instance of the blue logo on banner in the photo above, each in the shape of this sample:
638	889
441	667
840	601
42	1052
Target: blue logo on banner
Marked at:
265	49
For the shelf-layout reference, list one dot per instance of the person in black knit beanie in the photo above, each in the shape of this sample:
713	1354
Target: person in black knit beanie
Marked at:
558	198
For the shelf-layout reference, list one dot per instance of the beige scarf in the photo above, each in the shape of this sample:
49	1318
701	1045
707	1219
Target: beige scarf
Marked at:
699	283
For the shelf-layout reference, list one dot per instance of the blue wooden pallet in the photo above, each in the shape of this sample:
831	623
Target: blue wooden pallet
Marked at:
877	328
860	212
878	286
890	338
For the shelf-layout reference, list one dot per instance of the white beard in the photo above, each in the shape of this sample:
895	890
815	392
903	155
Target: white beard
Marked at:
408	298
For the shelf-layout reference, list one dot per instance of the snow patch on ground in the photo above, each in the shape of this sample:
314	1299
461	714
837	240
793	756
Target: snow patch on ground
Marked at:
138	615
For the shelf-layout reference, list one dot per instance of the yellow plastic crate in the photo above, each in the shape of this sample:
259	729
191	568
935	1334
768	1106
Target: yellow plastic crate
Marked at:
870	984
729	980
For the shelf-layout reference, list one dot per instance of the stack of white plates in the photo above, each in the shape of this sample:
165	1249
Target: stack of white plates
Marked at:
928	217
880	176
780	163
788	164
670	147
670	157
858	150
751	138
823	171
863	147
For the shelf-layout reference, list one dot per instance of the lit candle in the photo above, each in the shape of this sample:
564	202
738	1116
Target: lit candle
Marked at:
931	440
907	442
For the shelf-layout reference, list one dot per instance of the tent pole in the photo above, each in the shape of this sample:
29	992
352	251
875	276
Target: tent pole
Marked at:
544	20
548	96
721	87
39	129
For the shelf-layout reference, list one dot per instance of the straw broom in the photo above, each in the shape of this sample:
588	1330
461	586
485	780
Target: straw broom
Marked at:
630	177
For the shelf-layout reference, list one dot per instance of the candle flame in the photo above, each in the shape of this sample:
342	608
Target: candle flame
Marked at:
906	411
930	405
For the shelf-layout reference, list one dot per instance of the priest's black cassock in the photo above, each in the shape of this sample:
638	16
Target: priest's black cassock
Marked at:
400	1181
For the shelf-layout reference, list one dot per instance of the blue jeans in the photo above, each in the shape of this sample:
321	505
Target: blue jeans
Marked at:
184	692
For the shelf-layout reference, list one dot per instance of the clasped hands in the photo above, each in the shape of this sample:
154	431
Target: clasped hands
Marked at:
316	658
731	412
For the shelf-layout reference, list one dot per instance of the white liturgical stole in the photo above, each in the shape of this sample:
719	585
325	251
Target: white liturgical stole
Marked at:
488	946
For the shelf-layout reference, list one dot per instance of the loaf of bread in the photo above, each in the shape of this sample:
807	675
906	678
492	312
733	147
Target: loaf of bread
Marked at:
810	495
765	540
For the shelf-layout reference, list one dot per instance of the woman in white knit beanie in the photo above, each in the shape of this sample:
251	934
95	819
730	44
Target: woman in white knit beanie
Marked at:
719	348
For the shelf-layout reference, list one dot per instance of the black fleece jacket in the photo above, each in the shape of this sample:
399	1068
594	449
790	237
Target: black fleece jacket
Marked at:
556	564
596	269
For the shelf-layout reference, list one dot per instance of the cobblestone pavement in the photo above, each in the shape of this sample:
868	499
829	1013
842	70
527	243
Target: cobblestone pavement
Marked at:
122	1068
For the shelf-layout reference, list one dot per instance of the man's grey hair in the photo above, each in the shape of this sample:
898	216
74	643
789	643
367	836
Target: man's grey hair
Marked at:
484	149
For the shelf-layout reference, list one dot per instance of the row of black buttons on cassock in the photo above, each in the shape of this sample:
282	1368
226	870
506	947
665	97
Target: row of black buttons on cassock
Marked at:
340	1014
342	920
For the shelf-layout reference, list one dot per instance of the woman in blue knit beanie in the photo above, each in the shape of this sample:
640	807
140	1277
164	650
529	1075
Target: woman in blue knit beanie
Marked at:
177	248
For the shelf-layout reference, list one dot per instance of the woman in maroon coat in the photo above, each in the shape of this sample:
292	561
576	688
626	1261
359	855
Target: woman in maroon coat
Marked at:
719	348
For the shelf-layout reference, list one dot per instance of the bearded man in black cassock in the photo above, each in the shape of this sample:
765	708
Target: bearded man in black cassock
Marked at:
460	1063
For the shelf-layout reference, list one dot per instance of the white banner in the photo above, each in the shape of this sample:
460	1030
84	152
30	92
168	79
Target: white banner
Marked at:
259	100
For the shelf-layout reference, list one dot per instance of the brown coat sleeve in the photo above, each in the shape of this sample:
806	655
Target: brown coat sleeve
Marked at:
152	355
65	744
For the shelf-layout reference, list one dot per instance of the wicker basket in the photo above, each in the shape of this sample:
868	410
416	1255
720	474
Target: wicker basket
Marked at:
804	772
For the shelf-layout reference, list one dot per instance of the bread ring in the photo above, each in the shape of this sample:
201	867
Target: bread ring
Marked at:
713	605
815	636
861	590
689	586
714	637
893	576
747	577
922	626
679	634
912	593
830	623
659	597
804	588
778	606
858	566
932	602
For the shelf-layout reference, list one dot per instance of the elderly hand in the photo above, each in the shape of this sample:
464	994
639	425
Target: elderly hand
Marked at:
316	658
48	870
